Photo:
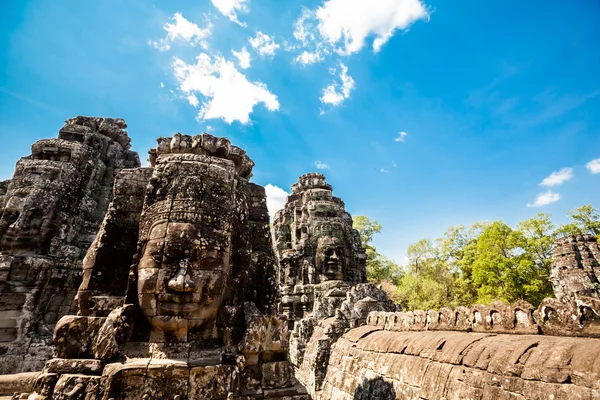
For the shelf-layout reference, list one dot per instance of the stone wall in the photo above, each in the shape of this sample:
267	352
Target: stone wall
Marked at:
494	351
371	363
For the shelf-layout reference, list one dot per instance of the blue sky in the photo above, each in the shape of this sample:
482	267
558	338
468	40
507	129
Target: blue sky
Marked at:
492	97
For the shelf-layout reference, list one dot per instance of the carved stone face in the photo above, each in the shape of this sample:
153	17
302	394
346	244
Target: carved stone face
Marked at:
30	206
330	258
182	275
289	270
45	383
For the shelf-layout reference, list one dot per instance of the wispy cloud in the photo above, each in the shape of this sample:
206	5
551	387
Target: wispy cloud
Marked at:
394	163
526	112
276	198
32	101
594	166
243	57
263	44
321	165
546	198
229	7
184	30
336	93
558	177
307	57
383	170
401	137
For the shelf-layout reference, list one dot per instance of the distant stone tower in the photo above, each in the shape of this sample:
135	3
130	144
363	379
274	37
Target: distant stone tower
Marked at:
575	269
51	211
322	275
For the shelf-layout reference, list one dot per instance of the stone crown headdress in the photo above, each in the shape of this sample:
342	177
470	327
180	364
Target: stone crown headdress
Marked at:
171	210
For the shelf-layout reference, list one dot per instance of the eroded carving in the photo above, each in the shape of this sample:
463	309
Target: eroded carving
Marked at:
51	211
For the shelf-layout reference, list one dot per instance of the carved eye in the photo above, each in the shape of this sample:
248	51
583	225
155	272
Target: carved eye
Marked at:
11	216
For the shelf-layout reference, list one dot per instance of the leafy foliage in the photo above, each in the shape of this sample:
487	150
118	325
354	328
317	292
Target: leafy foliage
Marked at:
380	269
479	264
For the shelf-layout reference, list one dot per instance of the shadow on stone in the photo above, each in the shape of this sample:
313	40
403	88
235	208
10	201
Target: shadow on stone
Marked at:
375	389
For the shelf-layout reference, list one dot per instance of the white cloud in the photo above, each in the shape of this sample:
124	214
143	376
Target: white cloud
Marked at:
162	85
336	93
344	25
394	163
594	166
229	94
276	198
184	30
243	58
545	199
321	165
558	177
383	170
193	100
264	44
229	7
401	137
309	58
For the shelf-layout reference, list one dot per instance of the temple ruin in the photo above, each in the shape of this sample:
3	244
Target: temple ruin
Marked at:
167	282
322	275
52	208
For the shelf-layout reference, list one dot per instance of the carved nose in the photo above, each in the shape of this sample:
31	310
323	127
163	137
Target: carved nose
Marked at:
334	255
19	223
182	282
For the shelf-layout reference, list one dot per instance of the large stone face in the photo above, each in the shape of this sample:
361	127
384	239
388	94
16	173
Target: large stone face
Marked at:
314	238
51	211
194	319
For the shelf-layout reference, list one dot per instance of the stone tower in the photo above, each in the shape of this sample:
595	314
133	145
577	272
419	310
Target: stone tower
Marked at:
51	211
316	247
322	275
179	287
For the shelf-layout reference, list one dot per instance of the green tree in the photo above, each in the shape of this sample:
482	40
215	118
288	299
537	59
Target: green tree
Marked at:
586	219
366	228
503	269
539	235
429	281
458	248
422	293
379	268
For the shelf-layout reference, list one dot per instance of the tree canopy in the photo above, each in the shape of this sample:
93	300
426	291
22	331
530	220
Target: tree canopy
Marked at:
479	264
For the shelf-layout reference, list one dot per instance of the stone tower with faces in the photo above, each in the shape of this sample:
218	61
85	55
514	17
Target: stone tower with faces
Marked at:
50	212
322	275
178	287
316	247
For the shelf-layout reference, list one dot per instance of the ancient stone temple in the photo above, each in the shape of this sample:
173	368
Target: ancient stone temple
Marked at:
185	313
51	211
322	275
167	283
